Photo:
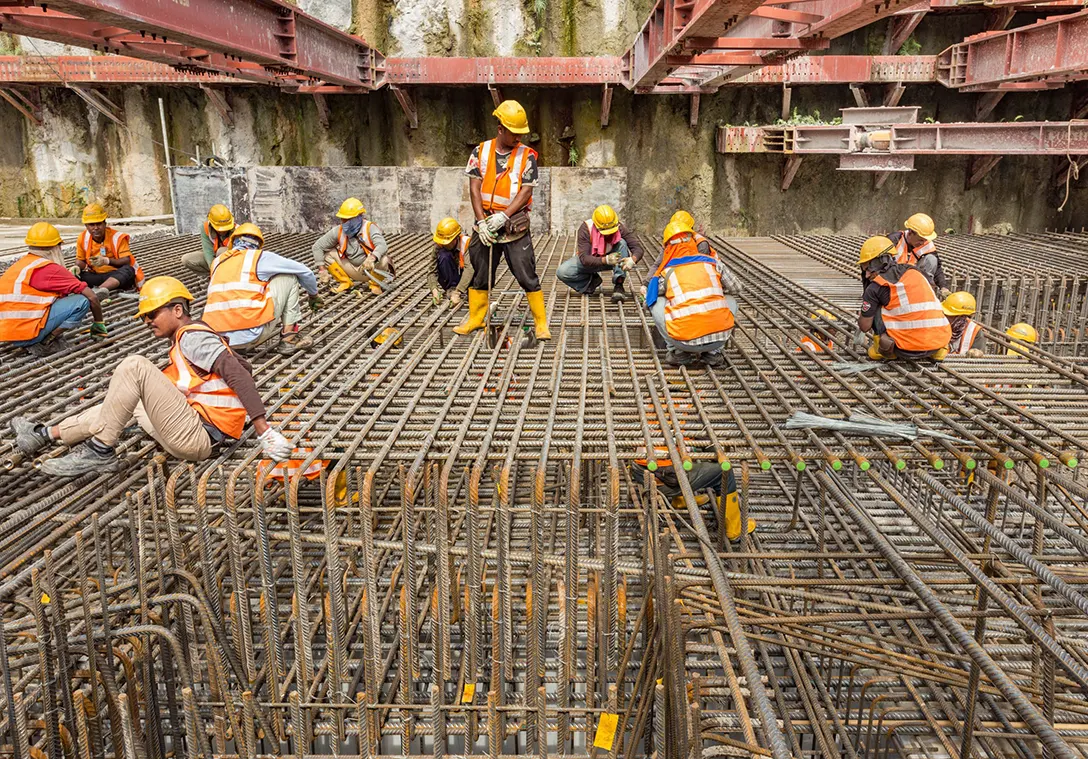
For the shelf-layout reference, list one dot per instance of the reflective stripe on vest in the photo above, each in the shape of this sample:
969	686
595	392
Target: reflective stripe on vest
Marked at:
287	469
909	255
87	248
913	317
237	299
210	397
23	309
363	237
695	305
967	338
499	190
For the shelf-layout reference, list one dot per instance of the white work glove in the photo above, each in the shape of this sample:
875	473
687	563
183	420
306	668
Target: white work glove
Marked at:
368	263
861	339
275	445
101	261
496	222
436	296
612	259
455	299
323	277
487	237
628	263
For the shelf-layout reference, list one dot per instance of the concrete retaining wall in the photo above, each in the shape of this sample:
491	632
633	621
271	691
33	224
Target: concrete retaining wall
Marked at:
408	200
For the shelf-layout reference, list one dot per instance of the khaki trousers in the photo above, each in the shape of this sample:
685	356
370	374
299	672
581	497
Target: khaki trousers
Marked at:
286	308
357	273
139	390
195	262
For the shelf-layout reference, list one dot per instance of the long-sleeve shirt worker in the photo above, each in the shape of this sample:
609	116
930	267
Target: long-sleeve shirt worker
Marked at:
584	246
462	283
207	353
211	247
269	265
355	252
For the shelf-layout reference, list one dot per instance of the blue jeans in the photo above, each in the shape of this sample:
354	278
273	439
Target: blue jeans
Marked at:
658	311
581	278
67	312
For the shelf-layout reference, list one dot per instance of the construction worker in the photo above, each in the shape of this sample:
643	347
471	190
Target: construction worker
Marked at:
353	251
451	271
912	323
914	246
502	174
201	398
809	341
1021	331
703	476
701	242
40	298
603	243
216	235
103	255
253	294
967	338
690	296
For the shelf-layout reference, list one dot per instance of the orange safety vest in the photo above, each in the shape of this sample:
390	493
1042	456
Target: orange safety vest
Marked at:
695	304
23	309
700	239
807	343
237	299
214	235
364	239
659	450
913	317
211	397
967	339
87	248
499	190
909	255
465	240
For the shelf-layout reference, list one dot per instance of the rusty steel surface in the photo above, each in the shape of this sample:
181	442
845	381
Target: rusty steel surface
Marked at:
99	70
537	71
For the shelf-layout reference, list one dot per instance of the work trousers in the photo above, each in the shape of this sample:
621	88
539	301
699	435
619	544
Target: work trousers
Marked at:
139	390
66	312
519	256
357	273
703	476
286	308
658	311
125	276
195	261
581	278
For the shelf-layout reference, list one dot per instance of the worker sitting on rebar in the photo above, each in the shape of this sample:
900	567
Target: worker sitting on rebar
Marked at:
103	256
703	476
40	298
967	338
200	400
914	245
690	296
215	236
603	244
911	322
451	271
253	295
353	251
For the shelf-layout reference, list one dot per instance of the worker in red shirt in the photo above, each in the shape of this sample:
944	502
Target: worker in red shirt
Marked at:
603	244
40	298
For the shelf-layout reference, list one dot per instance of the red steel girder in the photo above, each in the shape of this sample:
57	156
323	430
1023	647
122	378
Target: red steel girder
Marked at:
847	69
98	70
1054	49
542	71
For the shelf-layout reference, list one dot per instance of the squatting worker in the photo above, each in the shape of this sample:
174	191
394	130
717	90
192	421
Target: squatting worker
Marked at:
40	299
603	244
914	245
967	337
215	235
352	250
253	295
103	255
201	398
450	272
912	323
701	242
502	173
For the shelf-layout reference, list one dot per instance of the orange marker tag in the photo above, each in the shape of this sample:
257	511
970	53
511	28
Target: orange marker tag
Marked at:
606	731
469	694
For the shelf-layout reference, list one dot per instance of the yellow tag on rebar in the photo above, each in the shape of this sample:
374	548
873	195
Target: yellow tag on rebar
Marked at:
45	598
469	694
606	731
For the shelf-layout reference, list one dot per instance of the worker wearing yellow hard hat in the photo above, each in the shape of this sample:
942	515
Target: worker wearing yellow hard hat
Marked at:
701	242
502	173
451	270
215	234
354	251
40	298
1021	331
911	322
914	245
603	244
103	257
812	342
967	338
200	399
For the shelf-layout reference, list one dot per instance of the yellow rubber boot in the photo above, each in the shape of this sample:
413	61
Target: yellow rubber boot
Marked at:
700	500
343	281
540	316
477	312
876	355
940	354
732	517
375	288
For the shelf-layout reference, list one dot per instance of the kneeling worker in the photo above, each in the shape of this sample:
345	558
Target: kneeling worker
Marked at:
603	243
967	338
451	271
352	249
39	298
912	323
201	399
103	255
218	228
253	294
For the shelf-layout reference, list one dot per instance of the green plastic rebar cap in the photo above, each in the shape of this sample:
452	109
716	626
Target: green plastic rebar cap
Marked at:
970	464
938	464
900	465
1044	463
1072	462
764	465
687	465
1009	463
865	465
800	466
726	466
836	464
651	465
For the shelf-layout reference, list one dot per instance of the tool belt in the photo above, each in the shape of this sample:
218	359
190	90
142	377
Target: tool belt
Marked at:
517	226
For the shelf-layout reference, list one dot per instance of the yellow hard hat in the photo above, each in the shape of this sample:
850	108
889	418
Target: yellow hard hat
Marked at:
875	247
384	335
221	219
684	218
512	116
158	291
94	213
248	230
674	228
1023	331
825	314
605	220
351	208
923	225
959	304
43	235
446	231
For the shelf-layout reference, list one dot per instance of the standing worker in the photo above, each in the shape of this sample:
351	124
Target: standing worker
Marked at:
603	243
691	300
218	228
502	174
912	323
914	246
967	338
39	298
103	255
451	271
201	398
253	294
351	251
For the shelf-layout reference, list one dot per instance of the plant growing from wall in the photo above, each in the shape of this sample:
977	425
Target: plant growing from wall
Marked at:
572	155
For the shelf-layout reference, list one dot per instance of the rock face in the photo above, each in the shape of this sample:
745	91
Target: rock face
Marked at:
334	12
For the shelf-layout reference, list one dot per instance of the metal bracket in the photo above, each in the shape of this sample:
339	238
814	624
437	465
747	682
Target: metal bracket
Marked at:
407	103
